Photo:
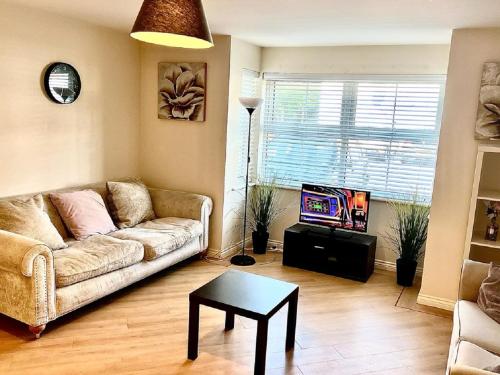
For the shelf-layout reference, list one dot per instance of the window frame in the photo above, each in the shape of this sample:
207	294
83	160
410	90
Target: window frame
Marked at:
359	78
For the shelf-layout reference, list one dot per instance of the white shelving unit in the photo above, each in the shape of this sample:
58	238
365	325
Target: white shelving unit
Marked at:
489	195
478	240
486	187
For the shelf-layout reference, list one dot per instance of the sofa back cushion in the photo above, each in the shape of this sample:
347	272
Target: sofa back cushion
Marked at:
489	293
130	203
99	187
28	218
83	212
473	274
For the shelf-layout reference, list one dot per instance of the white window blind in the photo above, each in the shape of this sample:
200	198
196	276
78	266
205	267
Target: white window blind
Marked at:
250	87
374	133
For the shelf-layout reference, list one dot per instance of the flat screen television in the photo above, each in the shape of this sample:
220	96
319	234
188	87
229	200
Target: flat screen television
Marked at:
335	207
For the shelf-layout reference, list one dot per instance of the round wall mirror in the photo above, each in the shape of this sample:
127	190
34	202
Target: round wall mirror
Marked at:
62	83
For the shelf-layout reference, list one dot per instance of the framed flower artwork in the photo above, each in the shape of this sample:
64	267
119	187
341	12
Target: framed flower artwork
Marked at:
488	112
181	91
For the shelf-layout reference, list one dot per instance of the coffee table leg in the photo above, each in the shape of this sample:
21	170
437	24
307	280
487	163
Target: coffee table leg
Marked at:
261	347
292	320
194	326
229	321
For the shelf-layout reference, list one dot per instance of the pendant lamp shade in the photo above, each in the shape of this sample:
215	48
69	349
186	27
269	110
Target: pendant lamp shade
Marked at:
173	23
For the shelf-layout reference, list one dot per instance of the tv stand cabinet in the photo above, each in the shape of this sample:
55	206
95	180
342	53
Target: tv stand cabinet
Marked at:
340	253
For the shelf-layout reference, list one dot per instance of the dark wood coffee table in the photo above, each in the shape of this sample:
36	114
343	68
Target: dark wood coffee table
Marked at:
252	296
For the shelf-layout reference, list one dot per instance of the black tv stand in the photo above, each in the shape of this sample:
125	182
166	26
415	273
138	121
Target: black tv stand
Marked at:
334	232
340	233
336	252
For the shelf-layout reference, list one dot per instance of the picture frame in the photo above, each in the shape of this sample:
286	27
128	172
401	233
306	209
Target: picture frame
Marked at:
182	91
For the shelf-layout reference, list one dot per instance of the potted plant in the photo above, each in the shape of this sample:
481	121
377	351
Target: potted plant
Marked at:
407	233
264	208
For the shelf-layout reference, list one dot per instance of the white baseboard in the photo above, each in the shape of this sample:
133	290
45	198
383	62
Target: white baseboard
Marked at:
232	250
391	266
440	303
228	251
236	248
275	245
213	253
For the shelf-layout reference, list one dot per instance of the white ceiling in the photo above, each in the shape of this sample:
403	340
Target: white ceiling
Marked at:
307	22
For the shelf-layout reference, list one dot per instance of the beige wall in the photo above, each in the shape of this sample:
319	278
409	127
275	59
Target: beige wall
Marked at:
470	48
47	145
243	56
424	59
187	156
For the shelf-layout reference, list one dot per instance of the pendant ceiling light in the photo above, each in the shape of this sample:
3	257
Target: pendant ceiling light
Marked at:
173	23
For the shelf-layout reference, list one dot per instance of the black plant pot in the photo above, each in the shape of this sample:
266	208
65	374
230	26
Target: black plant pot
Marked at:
406	269
259	240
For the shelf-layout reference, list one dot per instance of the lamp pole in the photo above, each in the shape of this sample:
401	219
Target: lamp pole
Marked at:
242	259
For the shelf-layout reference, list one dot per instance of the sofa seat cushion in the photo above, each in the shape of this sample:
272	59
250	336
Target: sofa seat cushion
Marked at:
476	327
94	256
472	355
161	236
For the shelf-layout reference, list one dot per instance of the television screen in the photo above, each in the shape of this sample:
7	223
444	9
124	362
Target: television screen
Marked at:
335	207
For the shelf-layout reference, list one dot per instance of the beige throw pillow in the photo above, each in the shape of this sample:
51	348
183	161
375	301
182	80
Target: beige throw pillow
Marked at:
27	218
489	293
130	203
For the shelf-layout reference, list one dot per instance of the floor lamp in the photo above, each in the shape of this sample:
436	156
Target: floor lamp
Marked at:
242	259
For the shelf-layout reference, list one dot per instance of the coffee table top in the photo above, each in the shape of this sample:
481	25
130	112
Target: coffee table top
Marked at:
245	294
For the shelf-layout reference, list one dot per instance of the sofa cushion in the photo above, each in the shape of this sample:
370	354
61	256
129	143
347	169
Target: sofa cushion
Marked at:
83	212
130	203
471	355
94	256
489	293
161	236
27	218
476	327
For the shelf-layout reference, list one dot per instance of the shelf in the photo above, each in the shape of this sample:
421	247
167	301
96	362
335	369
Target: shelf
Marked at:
489	195
478	239
493	146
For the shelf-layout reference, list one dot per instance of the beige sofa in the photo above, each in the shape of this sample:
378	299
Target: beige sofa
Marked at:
38	285
475	341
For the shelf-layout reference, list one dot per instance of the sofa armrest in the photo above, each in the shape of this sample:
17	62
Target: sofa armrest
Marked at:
27	282
467	370
17	253
170	203
473	274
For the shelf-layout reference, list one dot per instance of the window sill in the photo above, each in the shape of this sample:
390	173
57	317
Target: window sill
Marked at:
241	187
372	198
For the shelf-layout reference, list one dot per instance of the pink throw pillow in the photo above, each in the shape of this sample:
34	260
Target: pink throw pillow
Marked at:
83	212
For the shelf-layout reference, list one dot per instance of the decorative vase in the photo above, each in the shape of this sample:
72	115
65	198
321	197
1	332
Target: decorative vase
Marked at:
259	240
406	269
492	230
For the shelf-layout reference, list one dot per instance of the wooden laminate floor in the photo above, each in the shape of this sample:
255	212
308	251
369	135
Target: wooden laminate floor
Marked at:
343	327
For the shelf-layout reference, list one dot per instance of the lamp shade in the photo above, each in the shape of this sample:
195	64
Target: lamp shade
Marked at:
173	23
250	103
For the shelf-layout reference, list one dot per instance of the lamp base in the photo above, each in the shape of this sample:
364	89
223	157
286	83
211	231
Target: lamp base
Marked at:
242	260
